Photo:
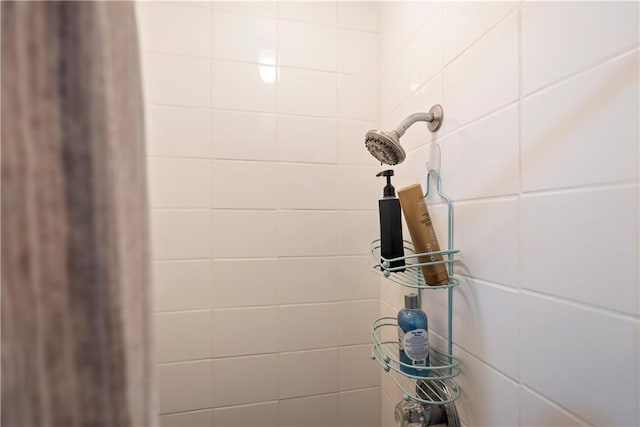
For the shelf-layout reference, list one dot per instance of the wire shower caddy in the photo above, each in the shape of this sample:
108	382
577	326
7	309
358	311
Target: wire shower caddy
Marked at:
428	385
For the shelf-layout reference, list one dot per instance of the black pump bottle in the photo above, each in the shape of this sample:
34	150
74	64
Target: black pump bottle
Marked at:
391	244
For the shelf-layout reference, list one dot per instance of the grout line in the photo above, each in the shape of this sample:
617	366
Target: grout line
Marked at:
605	311
583	71
555	405
616	185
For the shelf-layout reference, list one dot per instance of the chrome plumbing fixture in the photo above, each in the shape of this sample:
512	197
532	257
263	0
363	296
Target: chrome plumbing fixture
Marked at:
385	146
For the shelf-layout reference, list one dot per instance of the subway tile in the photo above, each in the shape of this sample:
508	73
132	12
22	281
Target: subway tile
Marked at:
178	132
581	342
184	386
563	139
174	28
419	61
493	82
356	230
562	38
260	8
176	80
242	86
259	414
356	369
358	97
420	101
240	380
486	324
307	233
482	160
244	234
244	185
387	407
355	408
309	326
242	135
356	279
574	244
305	186
487	397
232	41
179	183
536	411
306	45
319	368
355	318
318	411
180	234
307	139
182	285
359	187
403	23
307	280
358	53
351	149
245	283
318	12
188	419
307	92
359	15
487	236
476	18
182	336
245	331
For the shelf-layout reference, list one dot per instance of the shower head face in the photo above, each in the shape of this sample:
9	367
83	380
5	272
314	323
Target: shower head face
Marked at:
385	146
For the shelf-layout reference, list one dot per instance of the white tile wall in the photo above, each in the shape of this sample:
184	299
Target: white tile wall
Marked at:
260	414
176	79
268	99
178	132
245	331
563	38
307	326
545	198
182	336
182	285
297	286
239	380
319	368
582	341
185	386
316	411
231	40
253	109
244	135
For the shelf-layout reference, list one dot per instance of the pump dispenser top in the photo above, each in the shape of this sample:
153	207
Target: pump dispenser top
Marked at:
389	190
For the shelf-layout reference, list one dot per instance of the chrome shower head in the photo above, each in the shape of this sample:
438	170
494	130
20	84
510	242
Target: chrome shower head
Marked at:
385	146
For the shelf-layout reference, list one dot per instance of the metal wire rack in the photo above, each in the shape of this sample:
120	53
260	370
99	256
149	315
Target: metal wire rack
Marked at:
431	382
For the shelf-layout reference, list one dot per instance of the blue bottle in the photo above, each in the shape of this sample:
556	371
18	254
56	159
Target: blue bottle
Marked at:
413	339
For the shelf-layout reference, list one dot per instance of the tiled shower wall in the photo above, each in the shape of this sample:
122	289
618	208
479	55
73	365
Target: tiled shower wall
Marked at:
263	206
540	153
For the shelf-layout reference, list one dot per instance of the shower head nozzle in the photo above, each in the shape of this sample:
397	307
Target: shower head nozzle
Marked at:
385	146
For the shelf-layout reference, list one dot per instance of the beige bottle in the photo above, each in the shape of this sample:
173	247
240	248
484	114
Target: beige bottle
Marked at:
422	233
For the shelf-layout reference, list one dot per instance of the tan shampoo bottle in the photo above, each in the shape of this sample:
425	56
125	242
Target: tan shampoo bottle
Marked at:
422	233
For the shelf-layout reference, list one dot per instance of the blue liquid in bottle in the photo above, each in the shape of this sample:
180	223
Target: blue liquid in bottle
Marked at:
413	337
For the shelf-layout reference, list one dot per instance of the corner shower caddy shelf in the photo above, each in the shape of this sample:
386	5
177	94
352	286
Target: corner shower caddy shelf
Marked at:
436	384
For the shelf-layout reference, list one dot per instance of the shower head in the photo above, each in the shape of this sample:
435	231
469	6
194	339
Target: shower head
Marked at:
385	146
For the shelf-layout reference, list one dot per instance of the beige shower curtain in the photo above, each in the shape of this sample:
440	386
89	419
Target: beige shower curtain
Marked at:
75	323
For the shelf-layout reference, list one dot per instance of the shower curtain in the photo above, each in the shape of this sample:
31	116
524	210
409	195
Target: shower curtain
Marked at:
74	311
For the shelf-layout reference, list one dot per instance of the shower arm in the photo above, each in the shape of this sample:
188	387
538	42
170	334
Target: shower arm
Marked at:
433	119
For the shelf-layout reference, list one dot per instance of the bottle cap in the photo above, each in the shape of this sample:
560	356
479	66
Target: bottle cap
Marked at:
389	190
411	301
